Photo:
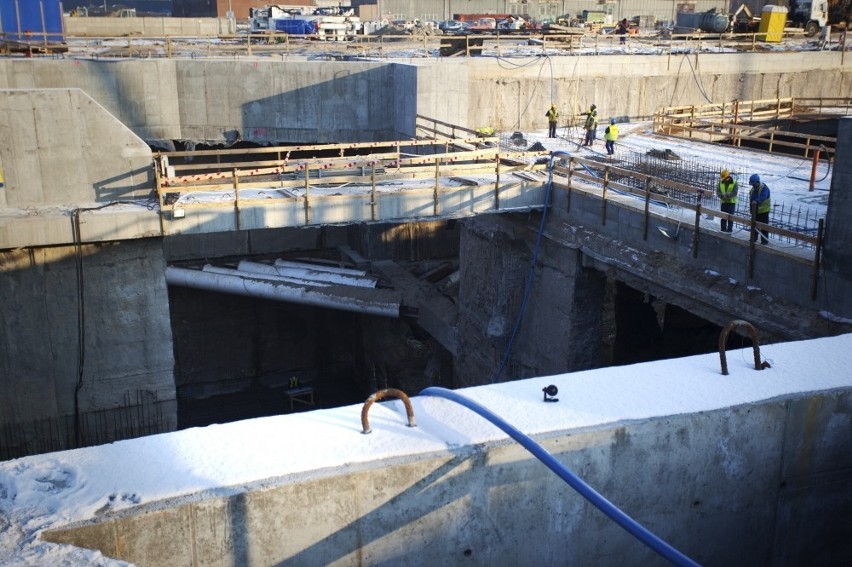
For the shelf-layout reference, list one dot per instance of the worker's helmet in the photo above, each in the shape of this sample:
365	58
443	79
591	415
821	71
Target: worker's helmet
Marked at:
725	173
594	107
612	120
754	179
552	106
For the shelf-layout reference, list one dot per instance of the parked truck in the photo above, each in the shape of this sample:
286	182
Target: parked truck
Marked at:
333	23
814	15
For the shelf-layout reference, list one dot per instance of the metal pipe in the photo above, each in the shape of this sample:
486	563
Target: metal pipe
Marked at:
381	394
269	277
755	344
319	268
615	514
307	274
372	302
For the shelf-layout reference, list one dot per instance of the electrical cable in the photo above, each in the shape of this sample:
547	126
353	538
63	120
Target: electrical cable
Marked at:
528	287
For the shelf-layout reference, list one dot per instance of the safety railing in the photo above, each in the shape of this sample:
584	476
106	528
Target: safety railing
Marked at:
497	42
231	173
756	122
616	186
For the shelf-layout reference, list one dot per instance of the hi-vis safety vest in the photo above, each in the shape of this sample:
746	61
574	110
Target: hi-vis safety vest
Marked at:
765	205
728	190
611	133
552	114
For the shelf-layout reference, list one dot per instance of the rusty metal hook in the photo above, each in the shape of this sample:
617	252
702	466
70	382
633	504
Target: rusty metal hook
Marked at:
383	394
755	343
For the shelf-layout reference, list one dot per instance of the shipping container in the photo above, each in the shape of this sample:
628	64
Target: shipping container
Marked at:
32	21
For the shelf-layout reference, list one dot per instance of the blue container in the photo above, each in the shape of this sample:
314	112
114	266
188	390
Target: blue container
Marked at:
29	20
294	26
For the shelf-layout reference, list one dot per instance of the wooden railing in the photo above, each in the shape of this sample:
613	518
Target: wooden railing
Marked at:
731	122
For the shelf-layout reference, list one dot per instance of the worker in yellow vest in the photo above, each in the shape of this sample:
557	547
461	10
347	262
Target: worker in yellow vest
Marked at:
727	193
552	118
611	135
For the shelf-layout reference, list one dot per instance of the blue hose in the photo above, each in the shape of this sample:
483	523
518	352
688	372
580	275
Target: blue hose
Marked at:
575	482
505	358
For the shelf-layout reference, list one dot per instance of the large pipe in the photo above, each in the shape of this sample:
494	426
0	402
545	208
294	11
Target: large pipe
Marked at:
333	269
359	300
305	273
269	277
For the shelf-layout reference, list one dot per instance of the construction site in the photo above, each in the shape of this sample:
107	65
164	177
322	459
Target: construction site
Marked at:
196	235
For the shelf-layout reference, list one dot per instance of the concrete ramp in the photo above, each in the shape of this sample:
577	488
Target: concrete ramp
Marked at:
61	147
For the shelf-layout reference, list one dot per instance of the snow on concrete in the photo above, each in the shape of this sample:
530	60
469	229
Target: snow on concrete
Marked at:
47	491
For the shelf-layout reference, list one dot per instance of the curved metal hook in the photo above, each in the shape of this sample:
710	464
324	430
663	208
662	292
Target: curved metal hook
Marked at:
383	394
755	343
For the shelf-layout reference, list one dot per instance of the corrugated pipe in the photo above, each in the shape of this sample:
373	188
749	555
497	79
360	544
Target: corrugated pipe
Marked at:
575	482
361	300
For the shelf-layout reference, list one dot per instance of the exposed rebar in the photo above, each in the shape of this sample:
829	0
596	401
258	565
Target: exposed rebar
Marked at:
755	343
381	394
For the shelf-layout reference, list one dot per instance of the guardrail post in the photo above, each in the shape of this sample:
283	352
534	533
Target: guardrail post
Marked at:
373	192
752	241
570	175
603	195
437	186
237	198
647	207
497	183
307	190
813	169
817	255
696	228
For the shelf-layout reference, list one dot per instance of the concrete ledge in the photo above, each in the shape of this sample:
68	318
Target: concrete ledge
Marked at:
710	483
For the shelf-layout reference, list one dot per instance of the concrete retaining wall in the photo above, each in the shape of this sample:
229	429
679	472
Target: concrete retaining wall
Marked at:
147	26
765	483
265	100
222	101
98	315
59	146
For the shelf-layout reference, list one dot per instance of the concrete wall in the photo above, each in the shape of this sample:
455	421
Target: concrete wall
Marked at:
765	483
59	146
516	98
837	255
561	327
222	101
266	100
98	315
714	285
146	26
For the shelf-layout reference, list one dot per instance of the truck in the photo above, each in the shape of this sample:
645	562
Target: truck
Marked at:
332	23
814	15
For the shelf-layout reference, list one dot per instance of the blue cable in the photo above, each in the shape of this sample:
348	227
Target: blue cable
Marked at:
528	286
615	514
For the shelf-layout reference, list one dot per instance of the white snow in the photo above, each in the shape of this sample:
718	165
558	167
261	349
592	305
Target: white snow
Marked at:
47	491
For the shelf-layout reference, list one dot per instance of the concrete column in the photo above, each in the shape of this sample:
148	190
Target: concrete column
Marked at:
561	326
838	254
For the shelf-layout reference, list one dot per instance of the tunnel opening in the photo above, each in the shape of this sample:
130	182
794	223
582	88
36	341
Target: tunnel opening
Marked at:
644	328
240	357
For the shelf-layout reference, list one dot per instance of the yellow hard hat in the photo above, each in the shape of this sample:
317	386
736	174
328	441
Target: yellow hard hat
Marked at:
725	173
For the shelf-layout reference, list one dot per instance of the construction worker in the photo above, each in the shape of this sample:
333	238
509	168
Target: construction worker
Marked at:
727	193
760	206
591	125
552	116
611	136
